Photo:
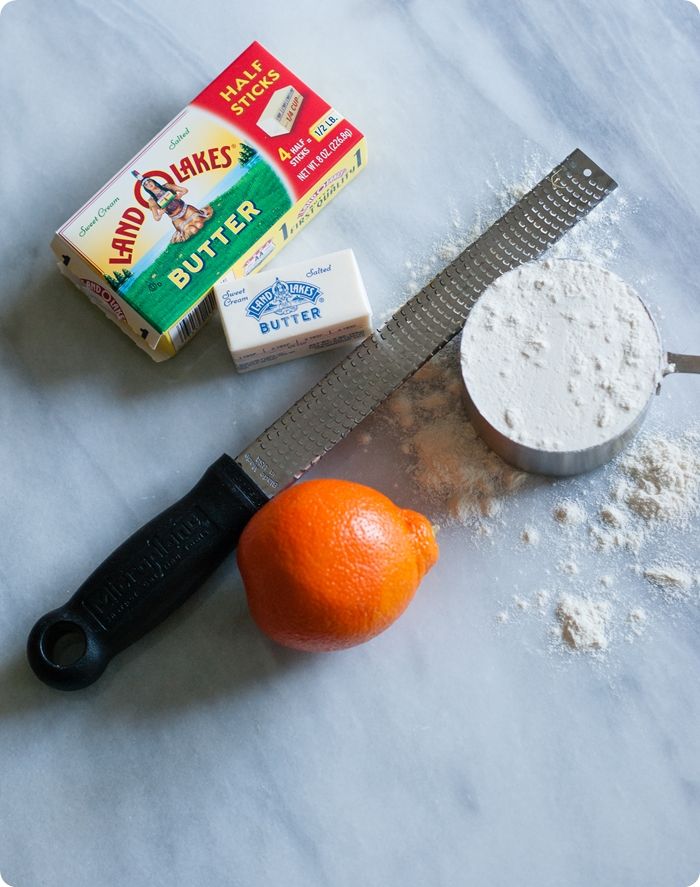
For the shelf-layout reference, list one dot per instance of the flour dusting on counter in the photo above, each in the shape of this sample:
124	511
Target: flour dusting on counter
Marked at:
530	535
674	579
661	478
595	238
584	623
466	485
569	512
452	465
595	546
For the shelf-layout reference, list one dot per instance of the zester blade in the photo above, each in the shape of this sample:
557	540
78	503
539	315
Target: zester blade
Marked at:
422	326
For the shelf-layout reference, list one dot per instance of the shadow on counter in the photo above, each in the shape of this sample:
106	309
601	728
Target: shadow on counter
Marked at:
209	650
55	330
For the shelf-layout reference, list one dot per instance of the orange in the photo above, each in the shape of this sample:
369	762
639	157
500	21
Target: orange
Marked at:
328	564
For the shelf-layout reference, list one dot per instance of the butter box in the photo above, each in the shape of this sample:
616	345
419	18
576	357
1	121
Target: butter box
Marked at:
224	185
282	313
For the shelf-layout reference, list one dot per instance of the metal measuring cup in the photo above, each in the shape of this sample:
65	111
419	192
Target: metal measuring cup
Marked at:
563	463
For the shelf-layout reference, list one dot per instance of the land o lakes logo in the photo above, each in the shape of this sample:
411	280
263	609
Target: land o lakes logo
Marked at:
285	298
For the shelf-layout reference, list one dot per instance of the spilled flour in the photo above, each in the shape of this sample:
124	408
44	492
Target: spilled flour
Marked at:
595	238
607	555
652	487
661	478
569	512
675	582
584	623
451	465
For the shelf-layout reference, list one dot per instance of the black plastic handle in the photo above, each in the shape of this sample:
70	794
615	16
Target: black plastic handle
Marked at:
145	579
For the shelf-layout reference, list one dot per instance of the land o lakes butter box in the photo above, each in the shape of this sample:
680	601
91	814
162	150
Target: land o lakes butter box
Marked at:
221	188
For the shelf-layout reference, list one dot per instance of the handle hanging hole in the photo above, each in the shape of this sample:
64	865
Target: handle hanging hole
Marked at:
64	643
587	172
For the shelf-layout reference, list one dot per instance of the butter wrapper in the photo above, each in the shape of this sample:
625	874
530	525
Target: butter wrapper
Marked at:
224	186
288	312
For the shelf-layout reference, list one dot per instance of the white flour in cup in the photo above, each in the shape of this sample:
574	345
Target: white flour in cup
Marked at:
613	553
560	355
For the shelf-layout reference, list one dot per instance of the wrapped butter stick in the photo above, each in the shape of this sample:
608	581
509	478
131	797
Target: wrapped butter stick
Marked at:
287	312
224	186
281	111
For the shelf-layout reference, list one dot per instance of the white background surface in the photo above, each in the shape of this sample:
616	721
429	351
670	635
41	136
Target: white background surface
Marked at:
446	752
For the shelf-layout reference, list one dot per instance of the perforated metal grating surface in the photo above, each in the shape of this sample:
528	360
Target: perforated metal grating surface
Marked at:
421	327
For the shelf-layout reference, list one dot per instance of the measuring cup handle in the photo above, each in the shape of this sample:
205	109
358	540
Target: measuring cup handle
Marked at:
684	363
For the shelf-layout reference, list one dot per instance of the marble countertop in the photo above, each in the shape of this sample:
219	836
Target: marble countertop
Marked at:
452	750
